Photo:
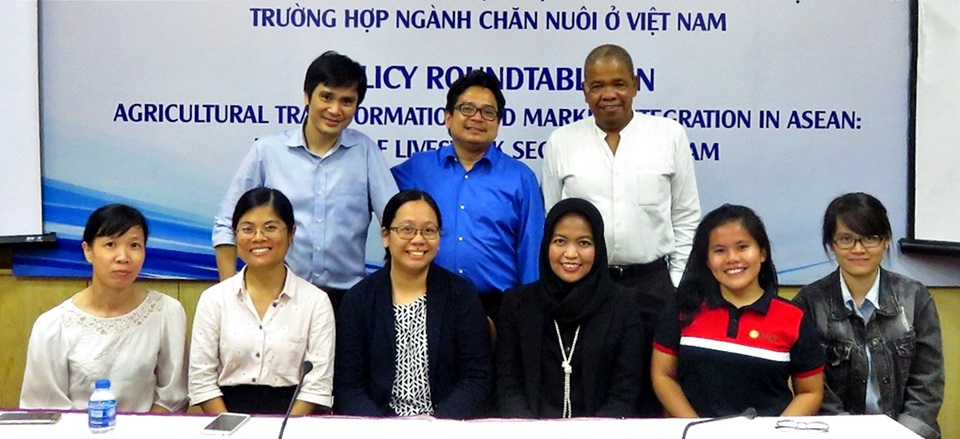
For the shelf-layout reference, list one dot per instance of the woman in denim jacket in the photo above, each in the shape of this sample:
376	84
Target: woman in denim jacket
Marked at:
880	330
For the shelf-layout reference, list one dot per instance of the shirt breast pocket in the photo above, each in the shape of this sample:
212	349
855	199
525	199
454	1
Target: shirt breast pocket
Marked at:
293	350
650	188
904	346
837	356
837	352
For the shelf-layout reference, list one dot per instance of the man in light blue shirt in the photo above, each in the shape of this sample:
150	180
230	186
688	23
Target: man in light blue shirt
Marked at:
334	176
491	204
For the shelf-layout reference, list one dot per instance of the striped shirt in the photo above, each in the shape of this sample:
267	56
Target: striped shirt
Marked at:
729	359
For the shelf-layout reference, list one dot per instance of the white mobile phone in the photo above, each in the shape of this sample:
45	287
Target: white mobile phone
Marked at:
225	424
29	418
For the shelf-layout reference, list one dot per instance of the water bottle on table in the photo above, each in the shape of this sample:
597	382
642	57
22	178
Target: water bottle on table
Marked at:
102	410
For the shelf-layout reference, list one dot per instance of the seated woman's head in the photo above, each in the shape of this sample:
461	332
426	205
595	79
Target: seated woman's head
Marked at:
730	249
264	227
573	243
857	230
411	230
114	243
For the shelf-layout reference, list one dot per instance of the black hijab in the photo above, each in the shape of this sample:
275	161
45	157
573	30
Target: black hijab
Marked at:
575	302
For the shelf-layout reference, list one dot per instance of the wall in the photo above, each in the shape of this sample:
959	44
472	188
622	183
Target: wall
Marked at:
22	300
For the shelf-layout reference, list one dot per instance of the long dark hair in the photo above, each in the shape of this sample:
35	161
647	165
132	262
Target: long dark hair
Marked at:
698	280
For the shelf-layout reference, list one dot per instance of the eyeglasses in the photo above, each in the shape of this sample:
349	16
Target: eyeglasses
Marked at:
847	242
468	110
788	424
409	232
270	230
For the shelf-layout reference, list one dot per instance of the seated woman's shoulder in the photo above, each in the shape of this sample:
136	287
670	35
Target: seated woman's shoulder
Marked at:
164	299
455	283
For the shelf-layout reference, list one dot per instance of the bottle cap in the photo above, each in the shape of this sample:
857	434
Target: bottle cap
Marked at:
103	384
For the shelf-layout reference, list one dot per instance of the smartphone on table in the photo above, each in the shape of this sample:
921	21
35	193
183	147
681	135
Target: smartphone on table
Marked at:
225	424
29	418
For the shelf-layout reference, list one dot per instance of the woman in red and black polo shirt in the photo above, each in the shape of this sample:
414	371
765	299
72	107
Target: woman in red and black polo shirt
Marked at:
729	342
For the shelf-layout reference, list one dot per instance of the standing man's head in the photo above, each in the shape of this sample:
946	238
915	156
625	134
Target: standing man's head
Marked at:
609	86
474	109
332	89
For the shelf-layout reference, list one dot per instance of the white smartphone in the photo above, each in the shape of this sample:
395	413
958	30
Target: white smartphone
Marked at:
29	418
225	424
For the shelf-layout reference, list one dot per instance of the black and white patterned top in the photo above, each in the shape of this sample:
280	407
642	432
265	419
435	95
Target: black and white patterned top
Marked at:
411	387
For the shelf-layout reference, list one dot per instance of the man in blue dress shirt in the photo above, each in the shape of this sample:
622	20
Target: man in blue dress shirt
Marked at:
333	175
491	204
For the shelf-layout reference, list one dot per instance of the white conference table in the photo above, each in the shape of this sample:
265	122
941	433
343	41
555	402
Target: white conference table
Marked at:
73	425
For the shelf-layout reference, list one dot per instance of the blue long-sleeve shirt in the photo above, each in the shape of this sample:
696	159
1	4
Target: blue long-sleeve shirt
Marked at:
492	215
332	199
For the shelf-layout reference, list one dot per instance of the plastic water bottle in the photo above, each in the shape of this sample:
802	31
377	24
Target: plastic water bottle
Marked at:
102	410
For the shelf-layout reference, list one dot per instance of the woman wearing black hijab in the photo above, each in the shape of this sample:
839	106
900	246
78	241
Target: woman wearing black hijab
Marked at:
569	345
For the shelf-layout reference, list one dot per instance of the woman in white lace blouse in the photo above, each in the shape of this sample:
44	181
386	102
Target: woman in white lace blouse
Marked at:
112	329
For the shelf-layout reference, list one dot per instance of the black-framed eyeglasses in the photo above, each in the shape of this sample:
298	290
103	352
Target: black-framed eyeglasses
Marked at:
468	110
847	242
409	232
789	424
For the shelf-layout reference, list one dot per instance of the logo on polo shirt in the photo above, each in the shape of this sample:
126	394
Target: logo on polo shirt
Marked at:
755	334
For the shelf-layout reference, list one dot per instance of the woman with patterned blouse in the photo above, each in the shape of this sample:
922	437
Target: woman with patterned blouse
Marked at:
412	338
112	329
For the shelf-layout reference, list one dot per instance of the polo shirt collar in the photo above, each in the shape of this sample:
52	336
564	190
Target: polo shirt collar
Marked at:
762	305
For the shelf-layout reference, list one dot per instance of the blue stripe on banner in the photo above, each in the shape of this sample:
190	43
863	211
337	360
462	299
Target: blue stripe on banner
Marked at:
178	246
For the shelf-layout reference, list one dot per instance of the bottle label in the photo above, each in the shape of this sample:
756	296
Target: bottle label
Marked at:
102	414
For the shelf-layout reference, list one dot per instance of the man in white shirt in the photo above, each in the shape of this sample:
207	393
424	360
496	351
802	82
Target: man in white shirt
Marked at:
638	171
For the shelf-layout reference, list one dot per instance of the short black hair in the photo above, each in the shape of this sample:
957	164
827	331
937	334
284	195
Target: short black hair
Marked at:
264	196
609	51
476	78
397	201
862	213
335	70
114	220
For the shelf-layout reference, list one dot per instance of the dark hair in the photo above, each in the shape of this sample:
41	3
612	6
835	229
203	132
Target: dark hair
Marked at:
698	279
476	78
398	200
609	51
335	70
862	213
114	220
264	196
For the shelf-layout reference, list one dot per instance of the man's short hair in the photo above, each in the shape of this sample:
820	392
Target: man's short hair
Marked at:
335	70
476	78
610	51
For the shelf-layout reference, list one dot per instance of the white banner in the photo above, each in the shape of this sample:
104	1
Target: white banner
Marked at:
787	103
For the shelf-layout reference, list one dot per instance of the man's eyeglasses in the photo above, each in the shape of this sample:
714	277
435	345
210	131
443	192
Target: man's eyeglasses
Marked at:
788	424
847	242
409	232
249	230
468	110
